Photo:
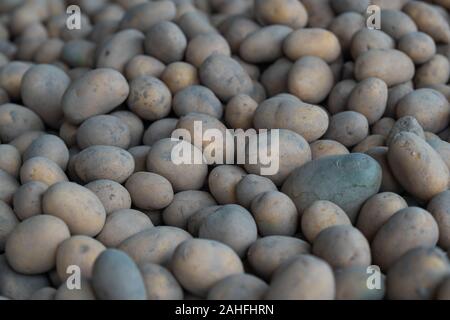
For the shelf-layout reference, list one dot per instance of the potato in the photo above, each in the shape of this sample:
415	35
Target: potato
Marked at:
142	65
345	26
407	229
197	98
323	148
122	224
428	20
222	183
85	293
235	29
391	66
351	284
166	42
11	76
383	126
179	75
434	71
405	124
77	206
275	77
42	89
8	221
46	293
81	251
264	45
159	129
16	120
217	261
439	209
238	287
320	13
274	214
102	90
44	234
417	166
396	23
419	46
324	44
27	200
417	274
50	147
159	282
285	12
115	276
111	194
250	186
10	159
304	277
194	23
79	53
42	170
145	15
135	126
310	79
155	245
240	111
104	162
203	46
19	286
369	39
284	112
149	98
346	180
224	76
348	128
395	94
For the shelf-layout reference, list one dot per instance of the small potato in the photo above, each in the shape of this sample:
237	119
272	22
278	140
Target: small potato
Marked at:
42	89
286	12
275	77
417	274
10	159
439	208
320	215
43	170
155	245
115	276
104	162
377	211
217	262
369	97
111	194
121	225
351	284
81	251
304	277
324	148
240	111
251	186
134	124
369	39
159	129
27	200
391	66
140	154
197	98
9	222
142	65
405	124
144	15
50	147
222	183
79	53
342	246
324	44
397	23
44	234
11	76
274	214
419	46
348	128
103	130
16	120
184	205
166	42
159	282
264	45
370	142
407	229
149	98
179	75
77	206
238	287
232	225
149	191
224	76
202	46
85	293
434	71
417	166
345	26
310	79
339	95
383	126
185	176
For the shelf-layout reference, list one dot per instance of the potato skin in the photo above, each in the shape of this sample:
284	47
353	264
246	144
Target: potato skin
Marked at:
44	233
160	283
204	45
24	120
144	15
238	287
112	195
408	124
294	280
397	23
419	46
417	166
179	75
407	229
51	147
439	208
166	42
217	262
435	71
348	128
142	65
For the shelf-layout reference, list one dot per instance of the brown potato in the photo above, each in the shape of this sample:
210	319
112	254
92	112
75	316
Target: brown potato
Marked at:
202	46
285	12
43	170
396	23
134	124
222	182
275	77
50	147
104	130
179	75
197	98
160	283
11	76
27	200
111	194
405	124
324	148
9	222
320	13
395	94
369	39
240	111
443	291
388	183
68	133
24	120
434	71
339	95
251	186
144	15
235	29
370	142
383	126
166	42
348	128
419	46
79	53
345	26
141	65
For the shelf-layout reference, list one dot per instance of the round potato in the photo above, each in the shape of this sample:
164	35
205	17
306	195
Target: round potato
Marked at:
369	39
419	46
286	12
222	182
179	75
397	23
275	77
383	126
438	207
339	95
436	71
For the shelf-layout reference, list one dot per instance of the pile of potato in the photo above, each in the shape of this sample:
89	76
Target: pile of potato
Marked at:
87	178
